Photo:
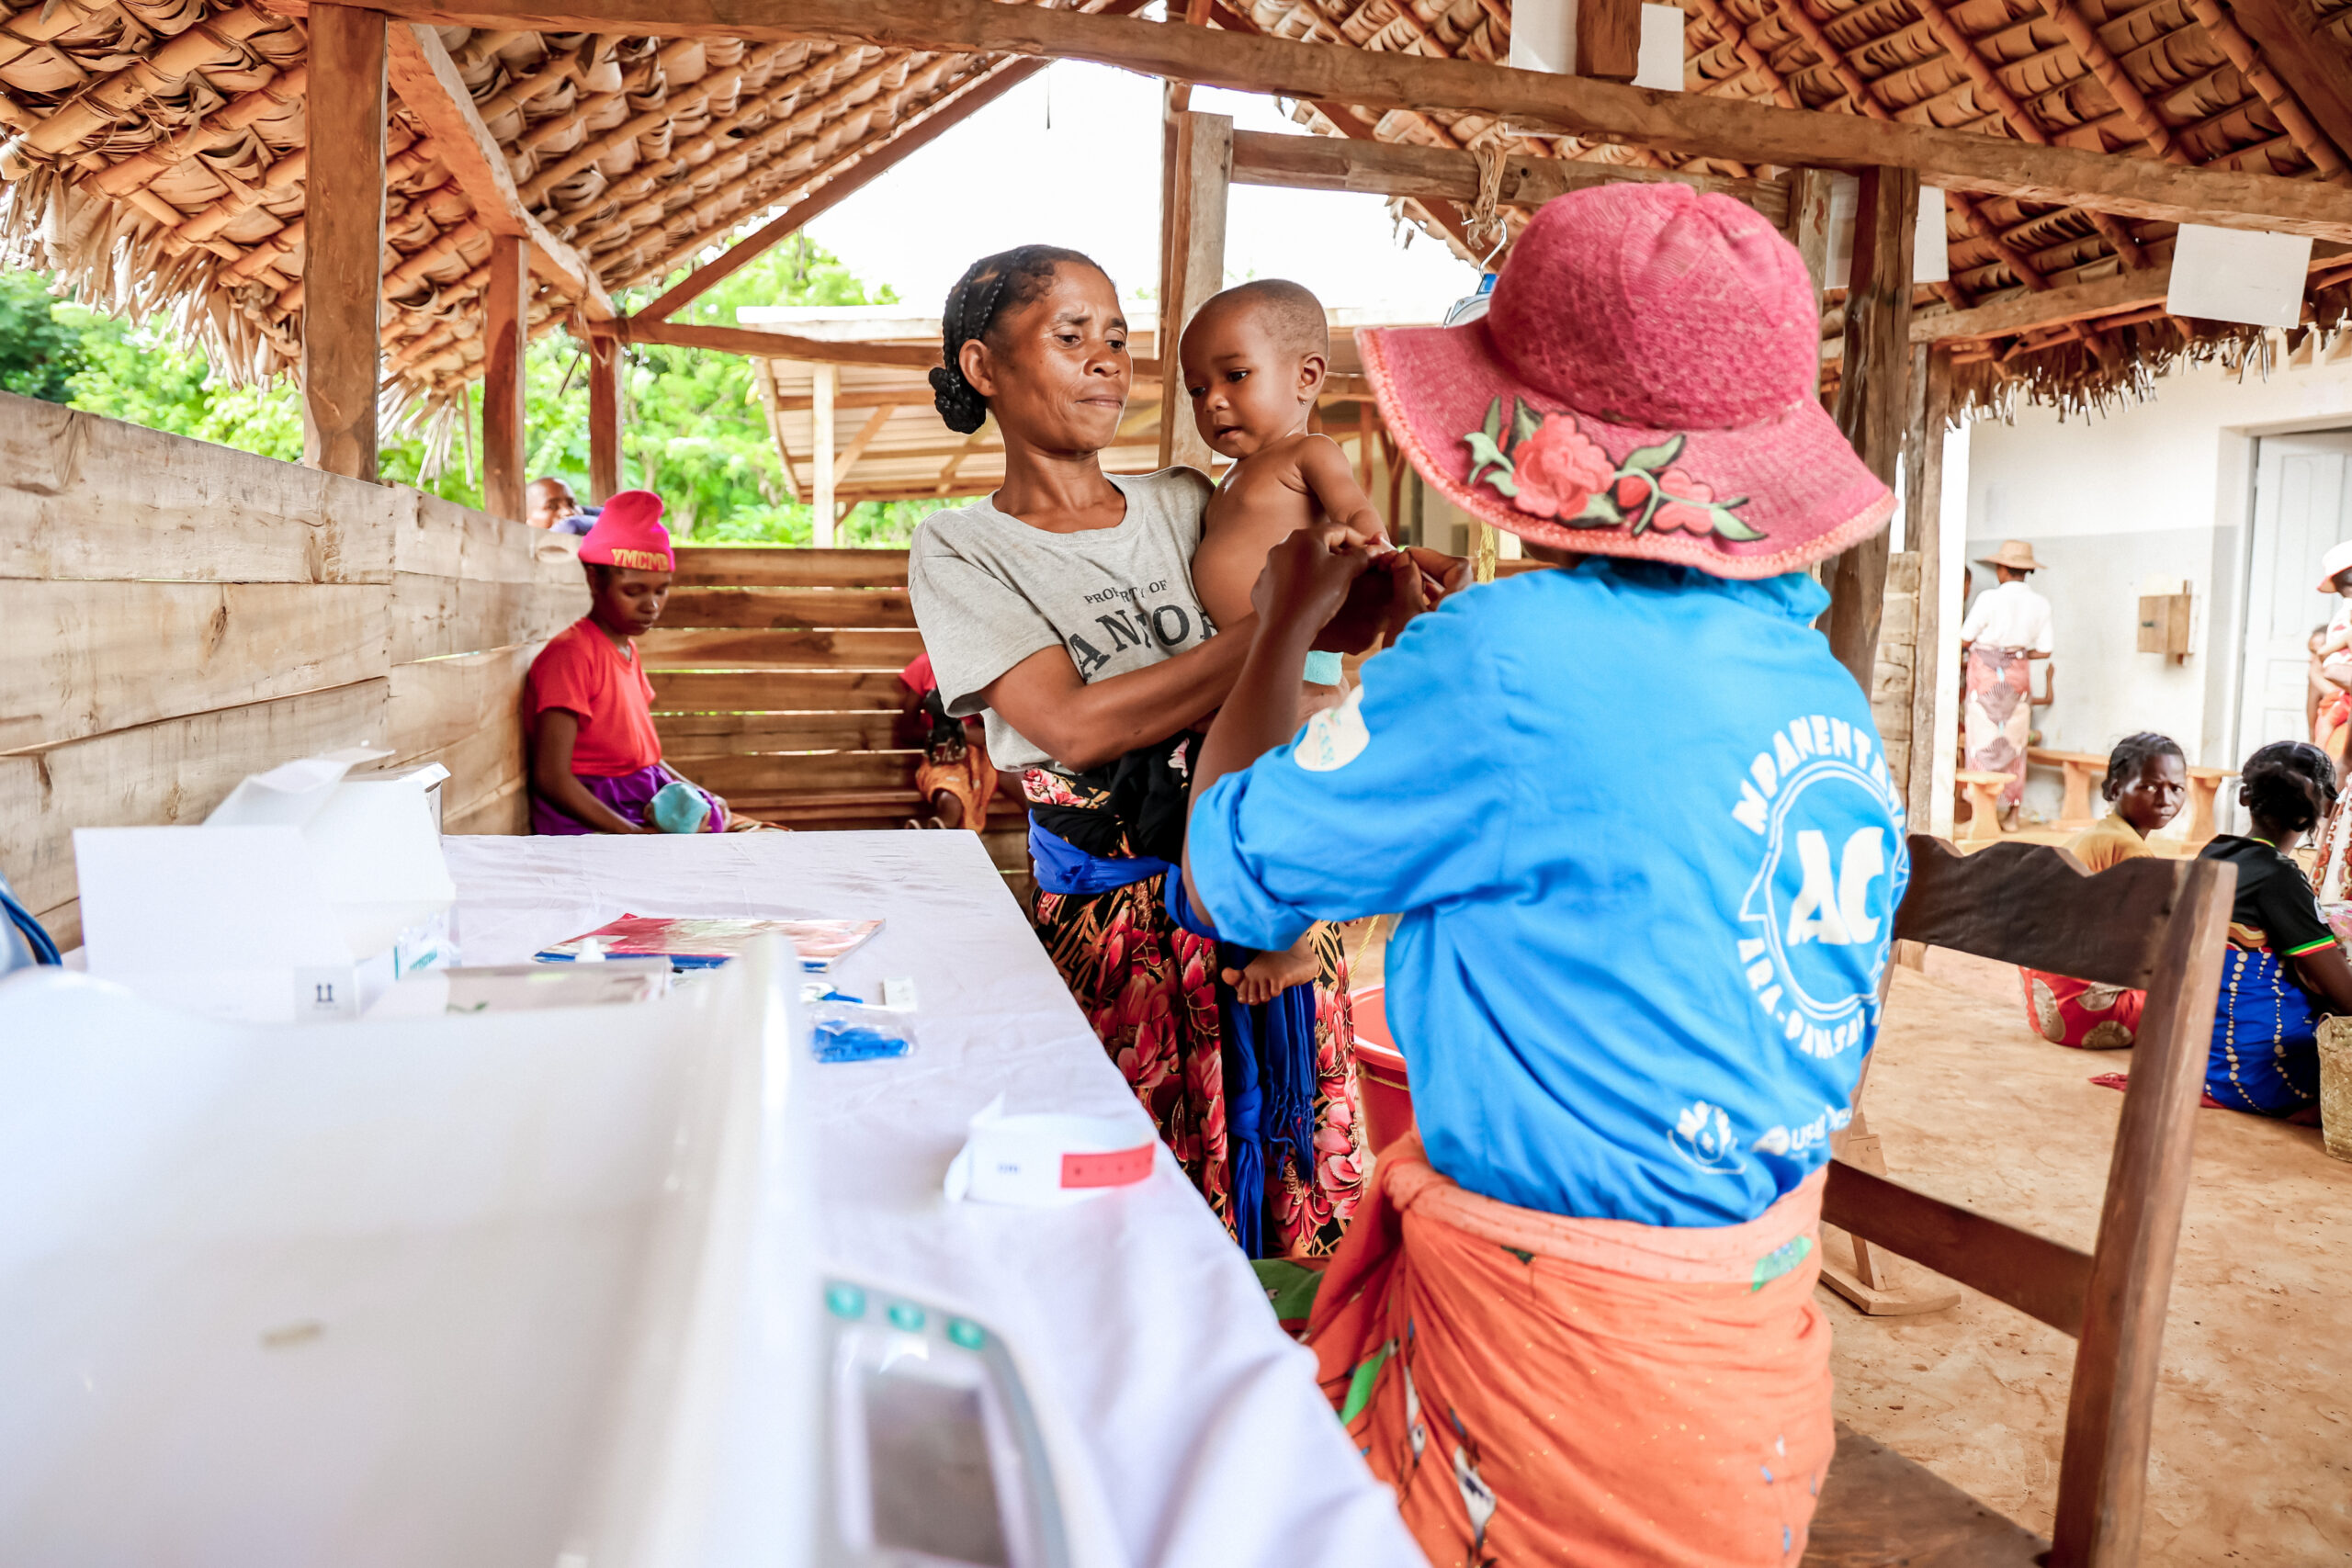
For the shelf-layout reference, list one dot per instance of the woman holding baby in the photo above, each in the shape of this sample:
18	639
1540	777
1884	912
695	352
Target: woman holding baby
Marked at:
1063	608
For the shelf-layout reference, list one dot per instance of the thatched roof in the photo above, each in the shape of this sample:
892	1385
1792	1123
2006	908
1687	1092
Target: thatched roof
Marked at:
156	147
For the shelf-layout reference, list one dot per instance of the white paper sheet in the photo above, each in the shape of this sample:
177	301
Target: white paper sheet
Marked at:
1659	64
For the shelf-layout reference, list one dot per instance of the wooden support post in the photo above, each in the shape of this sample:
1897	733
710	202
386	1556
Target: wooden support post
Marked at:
1609	39
829	386
1870	405
603	418
1923	489
343	240
1809	224
505	337
1192	231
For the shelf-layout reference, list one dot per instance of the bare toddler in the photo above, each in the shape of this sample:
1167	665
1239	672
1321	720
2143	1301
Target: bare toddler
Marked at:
1255	357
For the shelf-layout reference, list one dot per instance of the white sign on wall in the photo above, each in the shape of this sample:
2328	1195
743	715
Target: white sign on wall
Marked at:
1660	61
2238	275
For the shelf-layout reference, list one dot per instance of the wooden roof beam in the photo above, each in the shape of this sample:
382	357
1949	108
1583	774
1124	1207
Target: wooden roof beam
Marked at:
1565	105
427	81
1395	169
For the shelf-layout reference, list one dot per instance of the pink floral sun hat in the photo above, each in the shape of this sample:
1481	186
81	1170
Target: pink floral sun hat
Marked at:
1645	383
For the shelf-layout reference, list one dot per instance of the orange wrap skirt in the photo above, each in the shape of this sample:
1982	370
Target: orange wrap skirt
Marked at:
1542	1390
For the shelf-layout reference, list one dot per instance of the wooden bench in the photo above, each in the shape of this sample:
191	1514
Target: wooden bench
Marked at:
2086	772
2153	923
775	683
1984	803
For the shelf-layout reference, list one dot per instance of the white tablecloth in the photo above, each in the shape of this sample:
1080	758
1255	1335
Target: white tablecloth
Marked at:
1211	1441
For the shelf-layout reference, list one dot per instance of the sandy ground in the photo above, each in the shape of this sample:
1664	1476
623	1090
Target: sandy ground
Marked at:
2252	1444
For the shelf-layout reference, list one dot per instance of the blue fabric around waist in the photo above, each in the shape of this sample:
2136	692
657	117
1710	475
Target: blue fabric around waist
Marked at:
1063	867
1270	1081
1323	669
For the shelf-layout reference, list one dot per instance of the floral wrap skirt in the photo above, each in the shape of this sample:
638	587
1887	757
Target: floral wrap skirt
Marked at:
1998	716
1148	989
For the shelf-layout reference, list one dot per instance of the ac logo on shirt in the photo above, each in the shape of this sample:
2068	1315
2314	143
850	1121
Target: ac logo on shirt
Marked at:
1818	913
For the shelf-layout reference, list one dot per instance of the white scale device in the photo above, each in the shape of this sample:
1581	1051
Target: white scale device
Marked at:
513	1290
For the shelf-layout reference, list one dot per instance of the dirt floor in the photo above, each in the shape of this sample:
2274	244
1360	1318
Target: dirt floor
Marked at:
2253	1444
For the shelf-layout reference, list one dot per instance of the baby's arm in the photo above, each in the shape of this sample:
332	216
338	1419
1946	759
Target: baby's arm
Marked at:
2337	641
1323	469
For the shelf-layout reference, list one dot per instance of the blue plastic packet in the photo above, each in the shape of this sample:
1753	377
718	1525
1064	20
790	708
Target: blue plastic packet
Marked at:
852	1031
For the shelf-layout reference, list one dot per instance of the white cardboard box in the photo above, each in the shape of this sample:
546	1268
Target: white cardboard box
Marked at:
304	896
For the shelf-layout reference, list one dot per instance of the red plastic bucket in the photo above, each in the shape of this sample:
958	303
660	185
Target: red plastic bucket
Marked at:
1380	1072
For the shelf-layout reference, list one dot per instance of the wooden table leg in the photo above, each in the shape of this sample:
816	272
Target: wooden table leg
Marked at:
1983	805
2078	807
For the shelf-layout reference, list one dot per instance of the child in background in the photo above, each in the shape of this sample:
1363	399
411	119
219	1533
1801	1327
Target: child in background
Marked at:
596	760
2282	970
1255	357
2147	777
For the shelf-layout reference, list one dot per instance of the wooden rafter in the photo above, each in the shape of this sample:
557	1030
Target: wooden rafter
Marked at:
427	81
2324	154
1568	106
2313	65
872	160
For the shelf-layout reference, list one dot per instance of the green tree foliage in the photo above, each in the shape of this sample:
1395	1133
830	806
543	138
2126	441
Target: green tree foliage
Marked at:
695	432
37	354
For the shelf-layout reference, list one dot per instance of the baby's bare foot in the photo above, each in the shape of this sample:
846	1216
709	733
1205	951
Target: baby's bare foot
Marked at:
1268	975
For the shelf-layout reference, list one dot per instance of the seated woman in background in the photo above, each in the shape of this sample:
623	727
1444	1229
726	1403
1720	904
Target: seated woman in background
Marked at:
2147	775
596	760
2282	971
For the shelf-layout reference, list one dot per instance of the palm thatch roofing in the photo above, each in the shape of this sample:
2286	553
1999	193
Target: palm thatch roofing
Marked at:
156	153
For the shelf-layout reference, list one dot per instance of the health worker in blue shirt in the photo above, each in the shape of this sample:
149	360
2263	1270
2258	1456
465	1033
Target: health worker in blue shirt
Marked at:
1640	831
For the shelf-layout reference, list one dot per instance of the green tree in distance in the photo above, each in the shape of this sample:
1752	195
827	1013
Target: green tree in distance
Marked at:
694	431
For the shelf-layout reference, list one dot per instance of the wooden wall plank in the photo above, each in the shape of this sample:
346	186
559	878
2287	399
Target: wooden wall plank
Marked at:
80	659
881	608
84	497
746	691
720	733
456	541
434	617
808	773
440	702
156	775
485	765
756	566
736	650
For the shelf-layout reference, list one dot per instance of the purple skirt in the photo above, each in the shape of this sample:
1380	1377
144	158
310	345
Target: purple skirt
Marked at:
628	794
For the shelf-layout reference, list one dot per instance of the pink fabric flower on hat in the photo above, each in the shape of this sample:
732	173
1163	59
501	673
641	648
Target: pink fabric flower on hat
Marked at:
1685	506
1559	468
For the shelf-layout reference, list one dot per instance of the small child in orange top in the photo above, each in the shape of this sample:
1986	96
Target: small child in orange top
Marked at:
596	760
1255	357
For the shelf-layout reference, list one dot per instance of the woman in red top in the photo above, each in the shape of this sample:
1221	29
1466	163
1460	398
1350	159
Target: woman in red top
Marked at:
596	760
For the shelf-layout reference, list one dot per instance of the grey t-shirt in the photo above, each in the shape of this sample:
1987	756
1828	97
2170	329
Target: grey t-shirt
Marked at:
989	591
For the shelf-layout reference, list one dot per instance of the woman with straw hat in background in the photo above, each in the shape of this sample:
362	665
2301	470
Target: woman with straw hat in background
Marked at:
2006	630
1646	853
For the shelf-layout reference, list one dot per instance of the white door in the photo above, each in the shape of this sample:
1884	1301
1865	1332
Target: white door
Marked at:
2302	504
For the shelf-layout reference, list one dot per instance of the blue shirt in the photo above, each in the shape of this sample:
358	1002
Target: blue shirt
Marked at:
1647	854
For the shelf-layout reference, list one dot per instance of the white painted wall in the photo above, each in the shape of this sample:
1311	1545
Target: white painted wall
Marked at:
2161	489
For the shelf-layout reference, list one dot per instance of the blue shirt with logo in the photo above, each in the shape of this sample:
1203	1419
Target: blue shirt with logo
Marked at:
1647	854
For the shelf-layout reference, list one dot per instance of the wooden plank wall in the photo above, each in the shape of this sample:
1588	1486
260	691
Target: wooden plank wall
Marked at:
175	615
1891	683
776	685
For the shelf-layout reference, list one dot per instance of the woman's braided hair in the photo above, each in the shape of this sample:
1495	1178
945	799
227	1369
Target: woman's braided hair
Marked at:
2124	762
2289	782
1006	280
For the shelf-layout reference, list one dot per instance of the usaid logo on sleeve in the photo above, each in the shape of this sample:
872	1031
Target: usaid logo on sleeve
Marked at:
1815	919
